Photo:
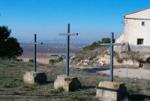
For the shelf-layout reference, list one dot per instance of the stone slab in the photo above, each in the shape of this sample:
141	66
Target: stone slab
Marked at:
146	66
111	91
67	83
31	77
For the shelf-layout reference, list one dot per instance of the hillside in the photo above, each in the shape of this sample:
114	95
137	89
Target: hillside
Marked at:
95	55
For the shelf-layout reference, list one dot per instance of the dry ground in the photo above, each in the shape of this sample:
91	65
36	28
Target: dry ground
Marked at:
12	87
138	73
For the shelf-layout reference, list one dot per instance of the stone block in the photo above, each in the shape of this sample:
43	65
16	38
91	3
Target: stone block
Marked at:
146	66
31	77
111	91
67	83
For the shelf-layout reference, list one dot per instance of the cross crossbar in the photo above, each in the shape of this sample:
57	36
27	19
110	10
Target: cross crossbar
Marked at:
108	44
69	34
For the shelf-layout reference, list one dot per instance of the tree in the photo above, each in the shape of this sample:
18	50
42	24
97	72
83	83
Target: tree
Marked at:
9	46
106	40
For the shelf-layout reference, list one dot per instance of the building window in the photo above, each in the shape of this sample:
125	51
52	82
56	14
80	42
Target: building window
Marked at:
140	41
143	23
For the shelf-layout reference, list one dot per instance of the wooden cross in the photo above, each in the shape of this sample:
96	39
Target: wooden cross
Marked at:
68	34
35	53
111	45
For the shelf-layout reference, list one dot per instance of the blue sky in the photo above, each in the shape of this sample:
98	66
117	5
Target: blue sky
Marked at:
93	19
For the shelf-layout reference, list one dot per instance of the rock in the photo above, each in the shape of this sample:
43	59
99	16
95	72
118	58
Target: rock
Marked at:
130	62
105	60
146	66
101	57
83	62
31	77
86	62
67	83
111	91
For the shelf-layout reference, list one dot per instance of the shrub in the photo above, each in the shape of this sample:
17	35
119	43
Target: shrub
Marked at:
95	45
53	61
31	60
92	46
13	83
60	59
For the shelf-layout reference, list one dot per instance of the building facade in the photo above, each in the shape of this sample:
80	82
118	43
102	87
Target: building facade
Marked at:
136	28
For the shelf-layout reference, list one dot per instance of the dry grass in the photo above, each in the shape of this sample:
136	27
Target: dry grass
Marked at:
12	87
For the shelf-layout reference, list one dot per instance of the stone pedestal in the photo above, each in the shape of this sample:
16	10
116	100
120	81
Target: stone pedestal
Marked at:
146	66
31	77
67	83
111	91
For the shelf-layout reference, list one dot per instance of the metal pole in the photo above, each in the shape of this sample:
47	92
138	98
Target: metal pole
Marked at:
34	61
68	50
111	56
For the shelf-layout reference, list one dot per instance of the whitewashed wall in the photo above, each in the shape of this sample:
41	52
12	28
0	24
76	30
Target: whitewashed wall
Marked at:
134	30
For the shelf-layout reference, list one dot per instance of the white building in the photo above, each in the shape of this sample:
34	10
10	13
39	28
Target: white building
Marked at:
136	29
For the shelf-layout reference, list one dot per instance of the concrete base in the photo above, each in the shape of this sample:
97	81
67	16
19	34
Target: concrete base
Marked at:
67	83
31	77
111	91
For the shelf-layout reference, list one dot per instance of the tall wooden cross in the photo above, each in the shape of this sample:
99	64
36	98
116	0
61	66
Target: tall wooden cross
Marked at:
34	53
68	34
111	45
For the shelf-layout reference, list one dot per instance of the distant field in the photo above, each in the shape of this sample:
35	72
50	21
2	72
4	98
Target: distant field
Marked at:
50	48
45	51
12	87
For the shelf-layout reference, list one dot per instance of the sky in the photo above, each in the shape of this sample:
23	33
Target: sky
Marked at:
92	19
